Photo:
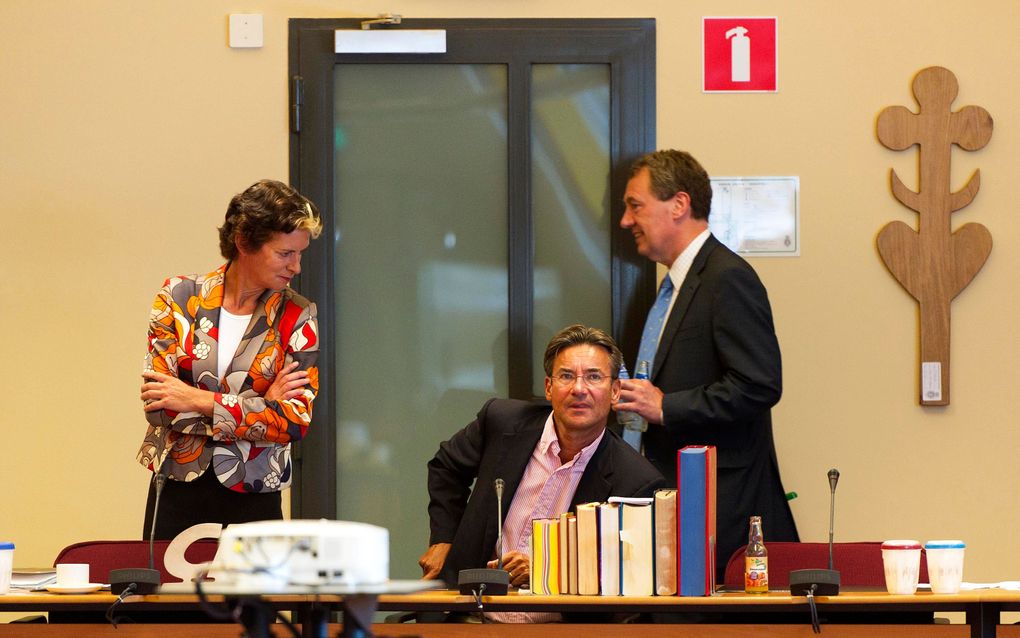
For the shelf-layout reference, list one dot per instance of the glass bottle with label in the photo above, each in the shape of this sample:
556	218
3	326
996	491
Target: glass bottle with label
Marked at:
756	560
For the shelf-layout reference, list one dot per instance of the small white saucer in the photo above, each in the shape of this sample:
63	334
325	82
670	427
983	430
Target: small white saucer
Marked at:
87	588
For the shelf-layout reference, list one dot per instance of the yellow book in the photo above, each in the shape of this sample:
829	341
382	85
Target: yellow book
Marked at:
545	556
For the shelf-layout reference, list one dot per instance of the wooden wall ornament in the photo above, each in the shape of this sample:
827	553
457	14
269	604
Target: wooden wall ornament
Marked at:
934	263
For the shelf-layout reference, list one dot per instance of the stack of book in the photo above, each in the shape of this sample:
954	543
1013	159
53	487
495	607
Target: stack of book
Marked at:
661	546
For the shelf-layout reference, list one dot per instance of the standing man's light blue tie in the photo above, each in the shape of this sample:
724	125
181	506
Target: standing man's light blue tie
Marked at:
650	342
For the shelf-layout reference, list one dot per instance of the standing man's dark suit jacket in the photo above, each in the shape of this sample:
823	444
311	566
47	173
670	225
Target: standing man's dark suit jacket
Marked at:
498	444
719	368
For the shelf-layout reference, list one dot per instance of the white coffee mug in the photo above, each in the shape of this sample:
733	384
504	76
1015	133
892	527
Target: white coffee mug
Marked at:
72	574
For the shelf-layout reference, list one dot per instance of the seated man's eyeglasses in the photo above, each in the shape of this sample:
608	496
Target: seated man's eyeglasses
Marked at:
590	379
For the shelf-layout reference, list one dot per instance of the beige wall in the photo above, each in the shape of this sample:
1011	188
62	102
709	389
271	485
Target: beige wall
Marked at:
125	127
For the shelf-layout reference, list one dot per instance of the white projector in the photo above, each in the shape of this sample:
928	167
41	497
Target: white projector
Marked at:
274	555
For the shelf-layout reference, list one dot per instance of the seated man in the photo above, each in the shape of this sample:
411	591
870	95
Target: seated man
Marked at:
549	459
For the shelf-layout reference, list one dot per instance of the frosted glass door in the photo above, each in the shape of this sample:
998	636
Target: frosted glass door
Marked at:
569	200
420	279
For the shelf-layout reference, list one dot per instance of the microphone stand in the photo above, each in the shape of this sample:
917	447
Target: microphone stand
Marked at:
499	523
833	479
160	479
493	582
141	580
821	582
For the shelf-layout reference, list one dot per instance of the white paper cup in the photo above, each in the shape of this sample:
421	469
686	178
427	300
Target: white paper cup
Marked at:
902	562
72	574
945	565
6	566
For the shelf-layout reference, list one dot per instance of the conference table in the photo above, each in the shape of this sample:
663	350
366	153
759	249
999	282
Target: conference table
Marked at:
725	614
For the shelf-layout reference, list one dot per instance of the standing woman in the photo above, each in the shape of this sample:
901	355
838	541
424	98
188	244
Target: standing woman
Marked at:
230	374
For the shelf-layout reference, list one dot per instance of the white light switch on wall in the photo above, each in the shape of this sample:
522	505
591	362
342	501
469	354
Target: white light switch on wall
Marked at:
245	30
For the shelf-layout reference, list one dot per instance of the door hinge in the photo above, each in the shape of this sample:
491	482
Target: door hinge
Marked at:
297	98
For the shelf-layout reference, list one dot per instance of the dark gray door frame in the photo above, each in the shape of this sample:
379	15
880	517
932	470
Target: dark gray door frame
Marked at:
627	45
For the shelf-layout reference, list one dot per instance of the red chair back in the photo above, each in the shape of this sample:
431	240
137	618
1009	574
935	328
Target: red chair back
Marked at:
102	556
858	564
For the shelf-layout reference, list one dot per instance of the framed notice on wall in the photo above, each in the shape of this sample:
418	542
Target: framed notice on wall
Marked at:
757	216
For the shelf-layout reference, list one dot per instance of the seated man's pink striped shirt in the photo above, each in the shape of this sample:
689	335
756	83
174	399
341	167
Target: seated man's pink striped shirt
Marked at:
545	491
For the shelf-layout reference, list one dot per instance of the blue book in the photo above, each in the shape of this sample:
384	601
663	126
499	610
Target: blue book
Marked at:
696	534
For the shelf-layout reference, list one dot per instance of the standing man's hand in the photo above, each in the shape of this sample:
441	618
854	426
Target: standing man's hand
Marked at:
639	395
431	562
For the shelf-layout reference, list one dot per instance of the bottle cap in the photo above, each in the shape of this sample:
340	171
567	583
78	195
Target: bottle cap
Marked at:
4	545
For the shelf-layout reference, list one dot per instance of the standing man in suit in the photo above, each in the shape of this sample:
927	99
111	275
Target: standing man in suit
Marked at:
551	458
715	363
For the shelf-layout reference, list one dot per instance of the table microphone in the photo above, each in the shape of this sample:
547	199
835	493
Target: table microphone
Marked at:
493	582
499	523
145	581
833	479
820	582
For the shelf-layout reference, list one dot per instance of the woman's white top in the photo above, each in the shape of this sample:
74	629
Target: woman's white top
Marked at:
232	329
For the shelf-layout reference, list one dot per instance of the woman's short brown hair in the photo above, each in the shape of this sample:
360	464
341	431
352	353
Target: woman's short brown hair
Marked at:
264	208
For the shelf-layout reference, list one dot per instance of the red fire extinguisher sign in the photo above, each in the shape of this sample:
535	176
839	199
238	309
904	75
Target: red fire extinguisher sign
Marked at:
739	55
